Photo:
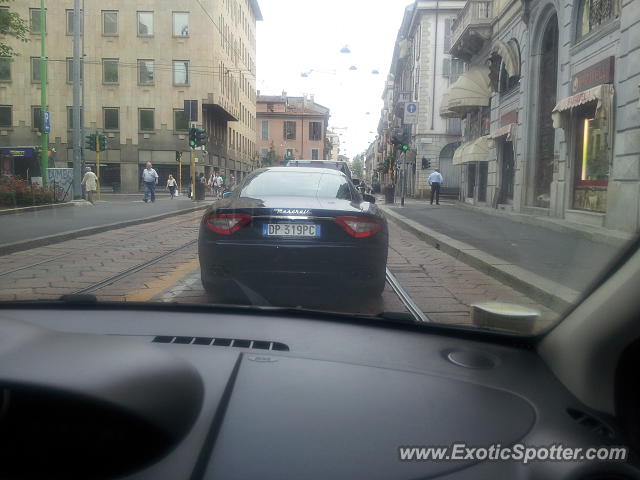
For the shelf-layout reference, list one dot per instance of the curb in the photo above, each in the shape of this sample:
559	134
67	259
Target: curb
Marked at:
547	292
8	248
11	211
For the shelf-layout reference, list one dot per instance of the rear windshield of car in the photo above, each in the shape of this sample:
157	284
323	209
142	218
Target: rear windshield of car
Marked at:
297	184
319	164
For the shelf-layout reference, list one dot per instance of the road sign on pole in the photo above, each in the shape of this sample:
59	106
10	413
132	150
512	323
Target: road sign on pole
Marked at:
410	113
46	126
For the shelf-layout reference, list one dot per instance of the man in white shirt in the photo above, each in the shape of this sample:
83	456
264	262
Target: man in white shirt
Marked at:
90	182
435	179
150	180
219	185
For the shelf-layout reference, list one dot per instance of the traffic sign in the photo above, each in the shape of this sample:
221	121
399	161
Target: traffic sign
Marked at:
46	125
410	113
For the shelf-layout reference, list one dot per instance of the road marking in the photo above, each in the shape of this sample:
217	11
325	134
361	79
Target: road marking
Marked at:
156	287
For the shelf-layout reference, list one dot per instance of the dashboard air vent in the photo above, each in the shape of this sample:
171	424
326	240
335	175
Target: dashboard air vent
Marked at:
224	342
590	422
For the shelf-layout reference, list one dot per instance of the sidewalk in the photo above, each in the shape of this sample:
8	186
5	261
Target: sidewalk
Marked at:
544	262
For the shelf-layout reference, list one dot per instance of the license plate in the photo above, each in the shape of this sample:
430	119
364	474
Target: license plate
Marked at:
290	230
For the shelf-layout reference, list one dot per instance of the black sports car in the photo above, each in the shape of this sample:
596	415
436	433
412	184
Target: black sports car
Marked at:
287	229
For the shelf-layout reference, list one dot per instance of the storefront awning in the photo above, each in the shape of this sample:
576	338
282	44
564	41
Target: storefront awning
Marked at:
444	107
510	56
603	94
470	91
474	151
509	130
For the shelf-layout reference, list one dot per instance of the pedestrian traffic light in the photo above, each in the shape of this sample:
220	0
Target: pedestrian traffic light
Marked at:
90	142
192	137
178	156
102	142
201	137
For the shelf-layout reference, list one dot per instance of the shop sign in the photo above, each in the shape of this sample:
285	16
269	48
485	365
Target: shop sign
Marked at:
597	74
17	152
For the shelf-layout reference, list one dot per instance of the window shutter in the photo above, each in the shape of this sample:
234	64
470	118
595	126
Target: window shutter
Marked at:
446	67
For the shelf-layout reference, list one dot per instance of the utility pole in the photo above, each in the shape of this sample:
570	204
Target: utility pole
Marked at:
77	128
44	155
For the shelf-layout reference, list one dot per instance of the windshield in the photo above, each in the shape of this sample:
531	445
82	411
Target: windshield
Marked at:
206	155
297	184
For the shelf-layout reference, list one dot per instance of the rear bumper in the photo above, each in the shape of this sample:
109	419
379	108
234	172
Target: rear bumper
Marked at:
264	266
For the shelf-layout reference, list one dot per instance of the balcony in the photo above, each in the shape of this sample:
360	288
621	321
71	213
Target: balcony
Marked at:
471	29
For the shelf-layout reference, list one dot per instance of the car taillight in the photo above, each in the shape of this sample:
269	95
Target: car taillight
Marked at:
359	227
227	223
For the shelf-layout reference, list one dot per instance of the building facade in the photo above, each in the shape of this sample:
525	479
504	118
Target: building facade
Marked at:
333	140
550	109
422	69
291	128
141	61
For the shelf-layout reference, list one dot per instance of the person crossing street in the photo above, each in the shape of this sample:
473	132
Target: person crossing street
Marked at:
435	180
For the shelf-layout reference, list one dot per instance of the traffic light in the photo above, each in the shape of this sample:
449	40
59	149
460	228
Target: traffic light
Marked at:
405	148
90	142
201	137
102	142
192	137
426	163
178	156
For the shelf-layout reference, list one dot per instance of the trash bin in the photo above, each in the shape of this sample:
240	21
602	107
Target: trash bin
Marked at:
200	191
389	193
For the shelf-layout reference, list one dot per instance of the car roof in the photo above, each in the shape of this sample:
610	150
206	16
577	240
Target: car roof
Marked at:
293	168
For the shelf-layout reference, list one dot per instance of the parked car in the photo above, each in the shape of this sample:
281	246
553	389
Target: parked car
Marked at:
291	228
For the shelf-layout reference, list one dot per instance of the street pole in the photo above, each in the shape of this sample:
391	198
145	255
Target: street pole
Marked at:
404	176
77	128
44	155
98	161
180	170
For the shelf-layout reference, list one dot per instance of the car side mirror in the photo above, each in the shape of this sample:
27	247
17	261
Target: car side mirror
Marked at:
226	194
368	198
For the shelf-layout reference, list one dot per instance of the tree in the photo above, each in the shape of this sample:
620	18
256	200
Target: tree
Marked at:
356	165
271	158
11	25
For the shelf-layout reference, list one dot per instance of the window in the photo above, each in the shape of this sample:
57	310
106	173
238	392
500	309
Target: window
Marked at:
70	118
111	117
592	158
594	13
289	130
34	20
180	24
110	70
145	72
315	130
314	154
70	22
448	34
36	118
288	155
265	130
5	116
264	153
109	22
180	122
145	24
35	69
5	69
181	72
147	123
70	70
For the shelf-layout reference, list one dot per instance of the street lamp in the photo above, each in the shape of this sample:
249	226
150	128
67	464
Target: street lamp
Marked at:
345	49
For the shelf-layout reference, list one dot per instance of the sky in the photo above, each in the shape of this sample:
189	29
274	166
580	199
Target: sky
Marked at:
299	36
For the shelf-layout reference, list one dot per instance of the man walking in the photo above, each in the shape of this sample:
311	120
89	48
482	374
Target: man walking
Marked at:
150	180
435	179
90	183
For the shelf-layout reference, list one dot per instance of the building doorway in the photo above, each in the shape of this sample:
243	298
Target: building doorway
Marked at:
546	101
507	173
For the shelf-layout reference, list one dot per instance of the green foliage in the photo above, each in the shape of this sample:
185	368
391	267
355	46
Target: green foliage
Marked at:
357	164
271	158
11	25
16	192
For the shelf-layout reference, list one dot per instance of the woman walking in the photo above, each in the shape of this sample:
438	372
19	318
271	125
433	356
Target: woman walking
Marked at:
171	186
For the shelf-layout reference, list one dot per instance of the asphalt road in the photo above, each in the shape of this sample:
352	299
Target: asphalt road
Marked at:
565	257
40	223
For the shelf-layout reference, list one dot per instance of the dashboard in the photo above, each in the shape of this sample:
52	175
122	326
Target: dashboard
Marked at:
179	393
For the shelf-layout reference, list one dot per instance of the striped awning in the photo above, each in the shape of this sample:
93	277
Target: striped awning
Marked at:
470	91
474	151
509	130
603	94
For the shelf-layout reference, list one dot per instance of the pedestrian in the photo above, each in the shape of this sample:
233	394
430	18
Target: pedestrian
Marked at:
201	187
435	179
211	184
150	180
90	183
171	185
219	186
